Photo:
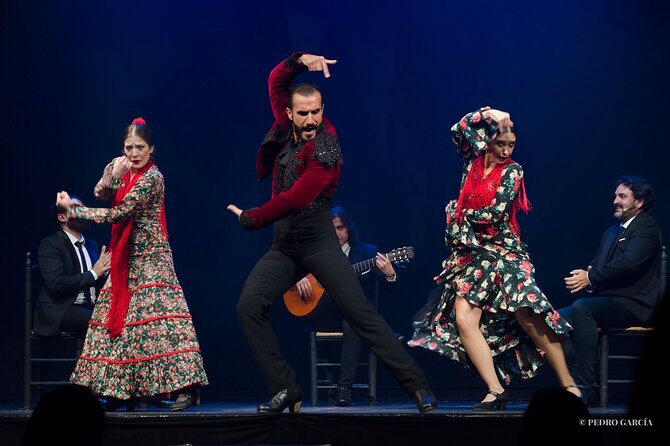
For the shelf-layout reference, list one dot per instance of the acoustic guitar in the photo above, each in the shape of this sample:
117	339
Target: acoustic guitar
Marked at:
297	306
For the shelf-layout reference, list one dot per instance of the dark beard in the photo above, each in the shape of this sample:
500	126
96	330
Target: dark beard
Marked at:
79	226
305	128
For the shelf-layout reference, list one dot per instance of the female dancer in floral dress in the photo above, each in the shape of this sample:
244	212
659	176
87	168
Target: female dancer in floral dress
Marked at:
141	340
491	313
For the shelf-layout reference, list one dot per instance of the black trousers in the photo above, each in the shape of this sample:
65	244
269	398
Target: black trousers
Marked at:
581	347
309	245
75	319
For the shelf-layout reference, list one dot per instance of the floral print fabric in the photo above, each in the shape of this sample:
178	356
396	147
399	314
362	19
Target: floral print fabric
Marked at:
157	350
488	266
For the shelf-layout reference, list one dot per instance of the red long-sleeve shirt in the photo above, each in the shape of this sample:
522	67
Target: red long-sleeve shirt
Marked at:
304	175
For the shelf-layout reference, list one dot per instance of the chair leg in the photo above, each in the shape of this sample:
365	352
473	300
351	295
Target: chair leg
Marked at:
372	378
313	371
27	372
604	369
27	327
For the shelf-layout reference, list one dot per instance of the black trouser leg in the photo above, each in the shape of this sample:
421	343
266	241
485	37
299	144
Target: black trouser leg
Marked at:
271	277
75	319
332	269
351	352
581	348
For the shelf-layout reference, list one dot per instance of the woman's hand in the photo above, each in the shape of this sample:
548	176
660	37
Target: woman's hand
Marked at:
63	200
501	118
120	167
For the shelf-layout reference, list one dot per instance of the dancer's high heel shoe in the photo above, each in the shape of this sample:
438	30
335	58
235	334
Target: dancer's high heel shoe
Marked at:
582	394
498	403
186	399
287	398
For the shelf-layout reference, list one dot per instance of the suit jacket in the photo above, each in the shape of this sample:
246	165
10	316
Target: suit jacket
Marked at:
60	270
630	275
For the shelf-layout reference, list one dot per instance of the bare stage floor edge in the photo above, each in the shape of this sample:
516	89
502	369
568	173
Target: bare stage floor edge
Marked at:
387	423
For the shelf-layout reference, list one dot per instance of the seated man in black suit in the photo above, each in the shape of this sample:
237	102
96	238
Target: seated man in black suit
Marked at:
73	270
327	317
623	280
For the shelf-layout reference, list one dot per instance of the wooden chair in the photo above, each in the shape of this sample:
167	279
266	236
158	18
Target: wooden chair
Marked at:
317	364
607	335
39	359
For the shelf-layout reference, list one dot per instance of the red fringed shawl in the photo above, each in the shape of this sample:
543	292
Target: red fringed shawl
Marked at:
479	191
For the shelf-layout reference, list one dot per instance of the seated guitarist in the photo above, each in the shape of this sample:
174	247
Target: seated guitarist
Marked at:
327	317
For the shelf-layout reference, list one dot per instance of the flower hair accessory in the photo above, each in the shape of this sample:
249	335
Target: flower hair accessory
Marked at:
138	121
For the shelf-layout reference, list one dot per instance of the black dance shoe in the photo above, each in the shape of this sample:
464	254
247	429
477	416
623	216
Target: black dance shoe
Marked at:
162	402
588	397
498	403
425	400
344	396
183	402
287	398
190	396
111	404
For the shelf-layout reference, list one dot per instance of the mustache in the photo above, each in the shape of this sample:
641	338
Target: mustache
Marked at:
308	128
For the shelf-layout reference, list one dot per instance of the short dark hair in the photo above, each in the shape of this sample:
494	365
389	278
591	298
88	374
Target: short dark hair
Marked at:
303	89
57	210
339	211
641	189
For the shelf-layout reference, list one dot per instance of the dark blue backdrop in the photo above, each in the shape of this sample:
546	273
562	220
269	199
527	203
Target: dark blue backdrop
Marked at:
585	81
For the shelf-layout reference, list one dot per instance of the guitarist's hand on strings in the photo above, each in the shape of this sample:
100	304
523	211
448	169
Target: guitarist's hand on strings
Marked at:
385	266
304	287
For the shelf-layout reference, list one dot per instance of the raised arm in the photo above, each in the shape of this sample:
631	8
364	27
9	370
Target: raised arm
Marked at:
111	178
283	75
279	83
474	132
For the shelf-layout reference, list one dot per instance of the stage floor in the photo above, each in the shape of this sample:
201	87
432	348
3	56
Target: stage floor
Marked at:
387	423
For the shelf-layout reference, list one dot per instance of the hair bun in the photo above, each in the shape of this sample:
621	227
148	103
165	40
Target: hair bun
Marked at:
138	121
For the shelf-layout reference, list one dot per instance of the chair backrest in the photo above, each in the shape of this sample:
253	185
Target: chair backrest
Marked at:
27	328
663	273
33	282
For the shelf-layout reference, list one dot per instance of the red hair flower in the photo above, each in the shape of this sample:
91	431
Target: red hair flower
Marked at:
138	121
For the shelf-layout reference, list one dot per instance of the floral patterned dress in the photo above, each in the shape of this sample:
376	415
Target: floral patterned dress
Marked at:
157	350
488	266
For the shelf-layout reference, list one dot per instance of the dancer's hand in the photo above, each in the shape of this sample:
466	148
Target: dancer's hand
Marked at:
235	210
501	118
317	63
121	165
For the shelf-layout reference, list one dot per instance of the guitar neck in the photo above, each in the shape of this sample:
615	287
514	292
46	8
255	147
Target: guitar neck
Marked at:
397	255
364	266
